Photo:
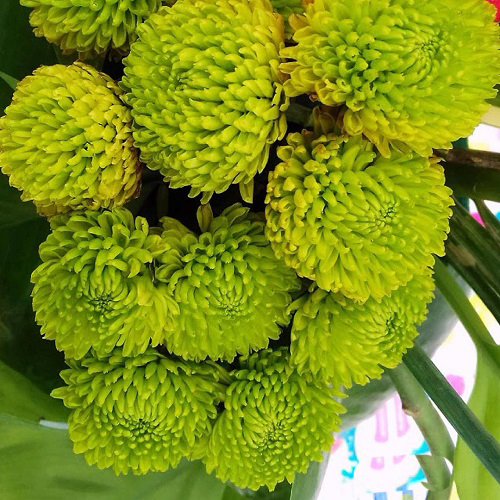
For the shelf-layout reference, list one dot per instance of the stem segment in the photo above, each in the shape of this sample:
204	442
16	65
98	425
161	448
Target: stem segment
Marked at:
417	405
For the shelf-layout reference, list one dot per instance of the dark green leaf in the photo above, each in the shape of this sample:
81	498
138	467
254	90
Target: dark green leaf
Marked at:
467	425
20	51
307	486
466	312
37	462
491	223
21	346
473	252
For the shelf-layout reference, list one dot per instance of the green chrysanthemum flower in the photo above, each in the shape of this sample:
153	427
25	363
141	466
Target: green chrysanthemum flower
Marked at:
206	93
341	342
354	221
89	27
287	8
275	422
141	414
66	141
412	73
95	287
232	291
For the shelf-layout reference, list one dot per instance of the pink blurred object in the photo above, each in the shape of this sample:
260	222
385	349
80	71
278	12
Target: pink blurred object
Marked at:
496	3
477	216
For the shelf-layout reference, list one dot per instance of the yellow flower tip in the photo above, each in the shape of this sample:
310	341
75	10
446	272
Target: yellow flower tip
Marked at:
342	342
206	113
66	141
407	75
232	292
95	288
354	222
141	414
92	27
274	423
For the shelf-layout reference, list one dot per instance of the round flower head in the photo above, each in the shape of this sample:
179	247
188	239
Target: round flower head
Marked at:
66	141
354	221
412	73
232	292
95	287
206	93
274	423
341	342
89	27
140	414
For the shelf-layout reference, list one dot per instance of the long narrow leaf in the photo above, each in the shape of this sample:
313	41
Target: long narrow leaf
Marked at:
467	425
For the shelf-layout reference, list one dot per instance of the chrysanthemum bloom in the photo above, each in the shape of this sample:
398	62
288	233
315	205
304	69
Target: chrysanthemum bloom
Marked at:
95	287
89	27
351	220
274	423
206	92
341	342
232	292
415	74
286	8
140	414
66	141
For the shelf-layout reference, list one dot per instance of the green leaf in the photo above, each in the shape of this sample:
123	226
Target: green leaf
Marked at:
472	479
281	492
38	462
307	486
20	51
20	398
11	82
467	425
473	252
466	312
21	345
491	223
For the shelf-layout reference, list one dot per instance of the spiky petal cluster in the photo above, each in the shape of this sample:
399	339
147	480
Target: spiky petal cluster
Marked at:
95	287
341	342
206	93
232	291
408	72
89	27
354	221
286	8
66	140
140	414
275	422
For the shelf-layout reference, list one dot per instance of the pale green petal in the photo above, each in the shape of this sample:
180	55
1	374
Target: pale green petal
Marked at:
66	141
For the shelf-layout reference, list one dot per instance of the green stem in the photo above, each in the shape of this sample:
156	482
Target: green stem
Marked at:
464	310
417	405
468	427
